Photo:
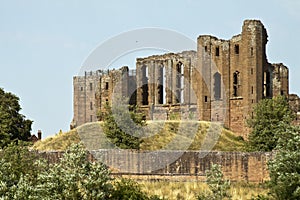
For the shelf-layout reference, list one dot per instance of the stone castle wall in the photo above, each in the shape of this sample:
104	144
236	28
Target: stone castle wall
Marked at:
185	165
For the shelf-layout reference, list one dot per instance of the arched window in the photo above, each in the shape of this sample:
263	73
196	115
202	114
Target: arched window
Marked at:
217	86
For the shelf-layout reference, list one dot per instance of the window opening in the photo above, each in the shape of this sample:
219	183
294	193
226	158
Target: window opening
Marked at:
217	51
236	49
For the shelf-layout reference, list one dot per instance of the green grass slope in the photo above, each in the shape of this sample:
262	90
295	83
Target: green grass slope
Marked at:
167	135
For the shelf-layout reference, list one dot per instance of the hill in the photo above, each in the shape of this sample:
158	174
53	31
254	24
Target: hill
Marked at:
172	135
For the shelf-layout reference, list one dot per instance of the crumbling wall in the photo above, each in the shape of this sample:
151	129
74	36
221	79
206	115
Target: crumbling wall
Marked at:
280	80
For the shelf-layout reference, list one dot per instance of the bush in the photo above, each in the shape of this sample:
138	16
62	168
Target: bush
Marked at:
24	176
285	168
219	187
268	114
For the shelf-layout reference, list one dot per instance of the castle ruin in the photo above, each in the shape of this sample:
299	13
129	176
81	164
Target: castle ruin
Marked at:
221	82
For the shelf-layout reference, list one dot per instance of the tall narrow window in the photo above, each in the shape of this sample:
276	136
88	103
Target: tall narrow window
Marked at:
160	86
267	85
145	92
91	86
91	118
106	85
236	83
205	48
179	82
91	105
236	49
217	86
81	88
251	51
217	51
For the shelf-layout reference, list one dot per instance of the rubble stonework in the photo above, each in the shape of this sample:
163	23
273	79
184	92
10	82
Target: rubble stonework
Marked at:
221	81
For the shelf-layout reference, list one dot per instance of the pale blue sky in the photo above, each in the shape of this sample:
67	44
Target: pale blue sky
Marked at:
44	43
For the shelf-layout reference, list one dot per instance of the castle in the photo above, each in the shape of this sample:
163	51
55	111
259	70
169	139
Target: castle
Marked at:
221	82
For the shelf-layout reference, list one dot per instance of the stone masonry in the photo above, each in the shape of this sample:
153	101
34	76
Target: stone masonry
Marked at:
221	81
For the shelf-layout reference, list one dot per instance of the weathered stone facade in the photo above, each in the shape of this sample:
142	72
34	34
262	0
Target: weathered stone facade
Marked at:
188	165
221	81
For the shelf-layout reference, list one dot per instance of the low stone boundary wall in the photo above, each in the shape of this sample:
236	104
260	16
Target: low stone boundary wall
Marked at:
185	165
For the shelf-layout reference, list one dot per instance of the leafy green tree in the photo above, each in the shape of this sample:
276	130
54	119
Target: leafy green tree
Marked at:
123	126
284	169
219	187
16	163
13	125
268	114
25	176
74	177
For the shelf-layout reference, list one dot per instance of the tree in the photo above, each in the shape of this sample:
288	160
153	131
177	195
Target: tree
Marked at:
284	169
16	163
219	187
74	177
13	125
123	125
268	114
25	176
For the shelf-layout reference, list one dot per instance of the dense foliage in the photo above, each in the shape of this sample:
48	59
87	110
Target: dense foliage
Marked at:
24	176
219	187
268	114
13	125
285	168
123	126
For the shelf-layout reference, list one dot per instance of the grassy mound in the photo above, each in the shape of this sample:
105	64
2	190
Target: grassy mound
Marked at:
60	141
168	135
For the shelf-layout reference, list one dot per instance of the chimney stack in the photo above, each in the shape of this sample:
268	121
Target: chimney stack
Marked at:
39	134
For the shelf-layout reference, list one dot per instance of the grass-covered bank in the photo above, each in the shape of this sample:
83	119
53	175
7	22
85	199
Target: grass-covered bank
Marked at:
172	135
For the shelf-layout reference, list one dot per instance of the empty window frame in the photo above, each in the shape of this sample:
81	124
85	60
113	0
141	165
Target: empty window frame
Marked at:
217	51
145	93
161	85
236	49
236	82
179	82
267	85
205	98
